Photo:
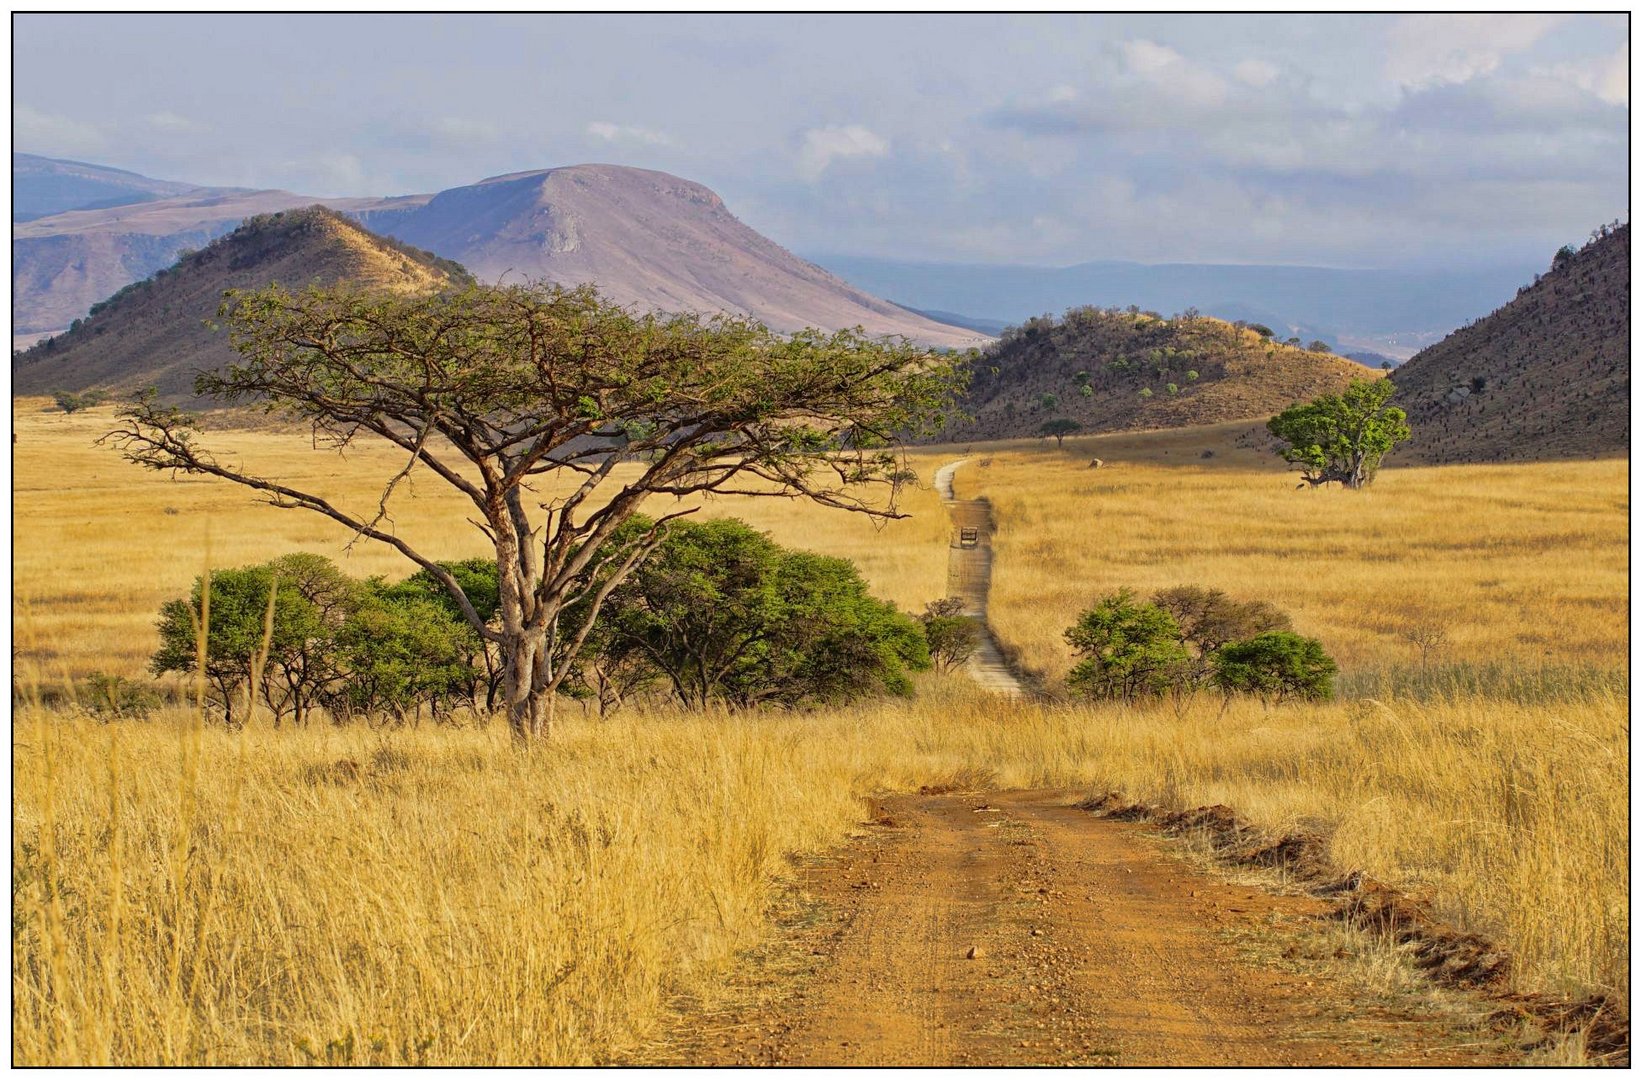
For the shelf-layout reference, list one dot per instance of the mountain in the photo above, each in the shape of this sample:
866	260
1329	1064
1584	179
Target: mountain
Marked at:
1546	376
62	264
1111	370
41	186
154	332
644	238
1385	311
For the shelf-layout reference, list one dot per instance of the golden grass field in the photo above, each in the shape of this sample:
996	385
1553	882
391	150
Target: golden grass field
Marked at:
187	895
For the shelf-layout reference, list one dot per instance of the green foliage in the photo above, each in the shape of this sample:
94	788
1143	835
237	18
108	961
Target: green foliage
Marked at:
1145	391
952	637
1209	619
1058	429
1048	401
401	651
1342	437
1173	389
1191	376
1276	666
1129	650
1262	329
71	402
725	613
1319	346
1086	390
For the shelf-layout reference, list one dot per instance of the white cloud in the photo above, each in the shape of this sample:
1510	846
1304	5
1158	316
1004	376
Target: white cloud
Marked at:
823	145
1607	77
1427	49
48	133
458	129
1256	73
1171	75
173	124
629	133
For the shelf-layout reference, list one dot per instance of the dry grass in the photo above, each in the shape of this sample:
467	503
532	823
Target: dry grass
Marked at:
100	544
345	895
1524	565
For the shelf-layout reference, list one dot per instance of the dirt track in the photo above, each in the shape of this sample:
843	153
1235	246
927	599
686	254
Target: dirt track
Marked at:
1015	929
969	577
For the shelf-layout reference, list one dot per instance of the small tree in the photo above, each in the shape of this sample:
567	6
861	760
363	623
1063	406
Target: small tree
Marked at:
1209	619
1129	650
491	388
1275	666
401	651
1342	436
1319	346
1058	430
71	402
952	636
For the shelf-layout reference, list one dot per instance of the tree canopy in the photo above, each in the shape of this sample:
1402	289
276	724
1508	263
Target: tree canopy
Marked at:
493	388
1342	437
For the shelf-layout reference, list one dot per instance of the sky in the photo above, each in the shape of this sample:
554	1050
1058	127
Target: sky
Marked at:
1411	141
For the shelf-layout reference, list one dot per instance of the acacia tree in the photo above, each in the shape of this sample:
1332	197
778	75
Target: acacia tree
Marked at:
496	389
1342	436
1058	430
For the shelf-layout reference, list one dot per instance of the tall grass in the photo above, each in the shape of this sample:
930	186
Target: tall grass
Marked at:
191	896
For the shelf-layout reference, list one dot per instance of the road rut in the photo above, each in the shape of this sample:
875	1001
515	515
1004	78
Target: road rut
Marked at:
1015	929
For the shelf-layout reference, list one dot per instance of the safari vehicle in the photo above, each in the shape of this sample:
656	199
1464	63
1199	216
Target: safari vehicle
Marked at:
969	536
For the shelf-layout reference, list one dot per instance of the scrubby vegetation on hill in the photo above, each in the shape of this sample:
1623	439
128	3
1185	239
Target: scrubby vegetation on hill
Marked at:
1117	370
155	332
1547	376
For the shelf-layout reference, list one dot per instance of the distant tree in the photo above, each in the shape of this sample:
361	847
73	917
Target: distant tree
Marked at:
1262	329
1128	650
1081	377
1048	401
1342	436
71	402
1058	430
952	636
1173	389
1276	666
491	388
1563	254
1191	376
1086	390
1319	346
1145	391
1386	365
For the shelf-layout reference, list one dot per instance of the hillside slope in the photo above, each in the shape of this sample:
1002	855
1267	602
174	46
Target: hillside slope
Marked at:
64	263
1547	376
645	238
1111	370
154	332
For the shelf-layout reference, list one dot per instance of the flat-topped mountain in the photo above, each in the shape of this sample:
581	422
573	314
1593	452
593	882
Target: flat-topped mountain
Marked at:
155	333
644	238
1122	370
1546	376
41	186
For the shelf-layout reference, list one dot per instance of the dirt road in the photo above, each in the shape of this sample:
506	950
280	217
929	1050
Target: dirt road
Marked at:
1014	929
969	577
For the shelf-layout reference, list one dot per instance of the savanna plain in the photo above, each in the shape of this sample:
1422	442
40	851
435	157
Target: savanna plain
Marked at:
363	894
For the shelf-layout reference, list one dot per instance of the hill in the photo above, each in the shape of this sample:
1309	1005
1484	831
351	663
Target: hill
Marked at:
63	264
155	333
1545	377
644	238
1112	370
41	186
1386	311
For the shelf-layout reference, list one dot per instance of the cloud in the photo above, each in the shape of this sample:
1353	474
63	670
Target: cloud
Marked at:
1429	49
627	133
1256	73
49	133
1171	75
1608	77
824	145
456	129
173	124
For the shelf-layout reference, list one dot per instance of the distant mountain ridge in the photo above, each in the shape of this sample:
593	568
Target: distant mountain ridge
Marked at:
42	186
644	238
1546	376
155	333
1375	310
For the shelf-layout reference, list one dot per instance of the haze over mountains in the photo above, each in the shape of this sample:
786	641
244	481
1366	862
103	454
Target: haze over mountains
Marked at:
644	237
1384	311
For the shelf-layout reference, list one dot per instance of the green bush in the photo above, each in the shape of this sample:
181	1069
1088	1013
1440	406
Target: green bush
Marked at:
1276	666
1129	650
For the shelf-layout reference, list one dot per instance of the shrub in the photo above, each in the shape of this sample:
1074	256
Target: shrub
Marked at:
1275	666
1145	391
952	637
1209	619
1129	650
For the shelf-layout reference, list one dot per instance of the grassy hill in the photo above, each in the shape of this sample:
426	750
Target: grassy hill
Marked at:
1115	370
156	332
1545	377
